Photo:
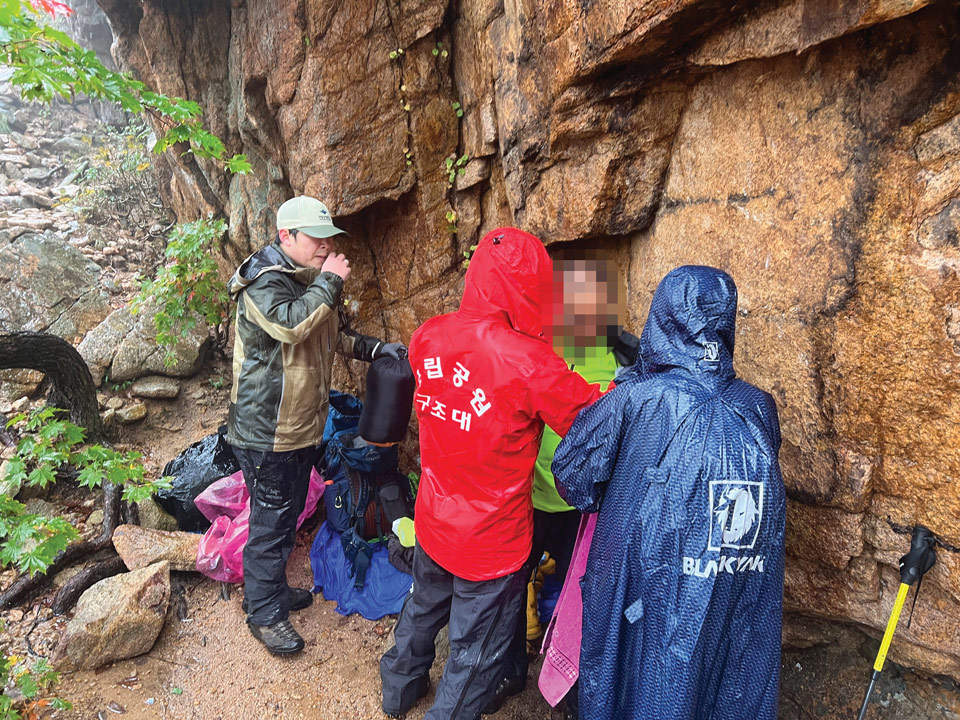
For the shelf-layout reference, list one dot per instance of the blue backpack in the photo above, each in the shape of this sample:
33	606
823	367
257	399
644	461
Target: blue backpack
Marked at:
365	493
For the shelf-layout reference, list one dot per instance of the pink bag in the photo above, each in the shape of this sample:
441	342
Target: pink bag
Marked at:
226	503
227	496
561	644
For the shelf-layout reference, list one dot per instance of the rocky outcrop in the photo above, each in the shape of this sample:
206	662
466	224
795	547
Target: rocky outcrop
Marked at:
118	618
810	148
124	347
47	285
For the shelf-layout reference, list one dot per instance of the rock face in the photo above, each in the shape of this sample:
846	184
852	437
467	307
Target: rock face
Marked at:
810	148
124	347
141	546
46	285
117	618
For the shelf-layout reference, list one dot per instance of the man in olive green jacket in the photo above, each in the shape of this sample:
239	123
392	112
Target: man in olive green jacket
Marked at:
289	323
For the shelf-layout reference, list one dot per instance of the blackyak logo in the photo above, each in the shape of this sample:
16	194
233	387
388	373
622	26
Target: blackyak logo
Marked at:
736	509
711	351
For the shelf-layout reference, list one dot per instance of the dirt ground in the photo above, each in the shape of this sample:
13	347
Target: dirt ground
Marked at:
206	665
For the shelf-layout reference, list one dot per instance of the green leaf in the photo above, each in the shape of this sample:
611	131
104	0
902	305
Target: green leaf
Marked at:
238	164
41	477
16	470
90	477
27	685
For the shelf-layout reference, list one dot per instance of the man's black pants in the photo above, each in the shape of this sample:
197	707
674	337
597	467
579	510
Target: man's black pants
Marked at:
481	618
557	534
277	482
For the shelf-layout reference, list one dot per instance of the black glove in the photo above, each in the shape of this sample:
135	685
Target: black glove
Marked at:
397	351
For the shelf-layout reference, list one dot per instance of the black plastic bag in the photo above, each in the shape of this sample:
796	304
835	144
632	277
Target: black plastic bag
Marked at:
389	400
193	471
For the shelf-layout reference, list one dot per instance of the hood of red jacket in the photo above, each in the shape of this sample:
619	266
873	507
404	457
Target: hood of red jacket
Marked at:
511	275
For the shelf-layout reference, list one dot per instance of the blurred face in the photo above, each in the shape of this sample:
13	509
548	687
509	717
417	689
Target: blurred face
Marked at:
305	250
590	304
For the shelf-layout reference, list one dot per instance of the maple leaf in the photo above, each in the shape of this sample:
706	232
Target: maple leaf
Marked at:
52	7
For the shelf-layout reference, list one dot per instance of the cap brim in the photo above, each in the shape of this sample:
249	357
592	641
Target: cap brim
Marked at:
321	231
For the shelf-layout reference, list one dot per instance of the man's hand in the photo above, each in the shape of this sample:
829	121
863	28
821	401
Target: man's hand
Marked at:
337	264
395	350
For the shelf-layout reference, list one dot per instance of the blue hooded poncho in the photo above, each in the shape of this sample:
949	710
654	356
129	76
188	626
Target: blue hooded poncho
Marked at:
683	592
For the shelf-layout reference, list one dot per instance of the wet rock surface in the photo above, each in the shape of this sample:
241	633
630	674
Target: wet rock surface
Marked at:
117	618
142	546
46	285
155	387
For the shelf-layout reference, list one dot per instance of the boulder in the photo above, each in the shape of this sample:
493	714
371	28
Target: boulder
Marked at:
39	506
155	386
124	347
24	141
100	345
118	618
70	146
35	197
46	285
138	353
132	413
141	546
8	486
19	383
155	517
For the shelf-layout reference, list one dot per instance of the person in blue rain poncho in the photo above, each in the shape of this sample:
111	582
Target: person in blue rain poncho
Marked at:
683	591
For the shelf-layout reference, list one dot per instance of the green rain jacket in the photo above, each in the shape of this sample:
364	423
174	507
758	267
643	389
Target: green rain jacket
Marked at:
289	323
599	365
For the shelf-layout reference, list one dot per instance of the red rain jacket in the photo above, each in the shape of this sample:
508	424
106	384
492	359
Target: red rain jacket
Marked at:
487	381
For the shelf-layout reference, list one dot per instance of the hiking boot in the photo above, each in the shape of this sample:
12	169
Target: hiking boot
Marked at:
300	598
280	638
507	688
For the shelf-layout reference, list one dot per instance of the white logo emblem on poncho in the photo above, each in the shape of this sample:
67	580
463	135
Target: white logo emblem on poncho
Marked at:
711	351
736	509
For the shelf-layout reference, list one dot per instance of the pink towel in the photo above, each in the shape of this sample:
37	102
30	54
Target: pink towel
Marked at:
561	645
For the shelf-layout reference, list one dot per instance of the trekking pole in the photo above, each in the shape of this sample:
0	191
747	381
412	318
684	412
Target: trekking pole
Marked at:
913	566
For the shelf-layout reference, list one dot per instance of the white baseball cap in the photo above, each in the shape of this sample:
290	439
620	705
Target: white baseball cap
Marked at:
307	215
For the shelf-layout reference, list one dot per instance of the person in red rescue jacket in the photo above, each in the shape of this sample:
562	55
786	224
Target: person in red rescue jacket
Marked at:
487	381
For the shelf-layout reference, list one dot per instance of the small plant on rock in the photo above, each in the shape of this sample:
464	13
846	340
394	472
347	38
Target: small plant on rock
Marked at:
187	289
467	254
455	166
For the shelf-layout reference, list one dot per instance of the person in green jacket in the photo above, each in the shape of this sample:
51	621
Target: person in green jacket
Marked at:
589	337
